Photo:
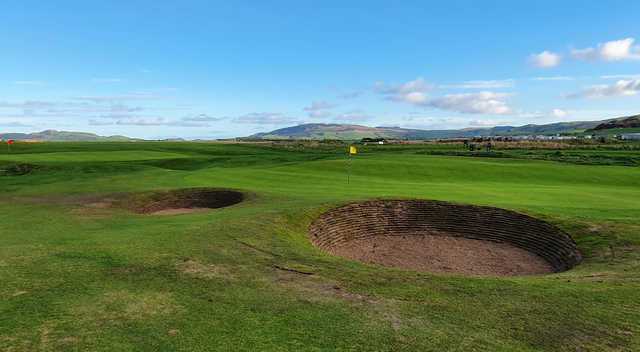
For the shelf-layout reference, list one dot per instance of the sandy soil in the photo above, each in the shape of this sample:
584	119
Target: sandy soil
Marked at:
191	201
444	254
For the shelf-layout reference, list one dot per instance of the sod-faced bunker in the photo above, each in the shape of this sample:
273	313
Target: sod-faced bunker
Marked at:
189	200
444	237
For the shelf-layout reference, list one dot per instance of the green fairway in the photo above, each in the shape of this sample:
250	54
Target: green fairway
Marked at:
93	157
78	276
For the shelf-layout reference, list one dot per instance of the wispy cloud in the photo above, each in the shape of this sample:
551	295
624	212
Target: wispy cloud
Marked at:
124	108
37	108
159	122
544	59
634	76
417	85
352	95
117	98
318	105
106	80
318	109
506	83
93	122
28	83
553	78
28	104
202	118
265	118
319	114
620	89
616	50
14	124
355	116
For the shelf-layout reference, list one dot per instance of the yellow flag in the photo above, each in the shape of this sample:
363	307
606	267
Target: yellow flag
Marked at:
352	150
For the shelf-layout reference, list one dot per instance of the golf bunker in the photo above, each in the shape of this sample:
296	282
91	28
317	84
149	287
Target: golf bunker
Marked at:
189	201
444	238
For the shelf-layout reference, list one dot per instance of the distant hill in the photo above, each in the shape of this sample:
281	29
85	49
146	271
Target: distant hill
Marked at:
622	122
341	131
354	132
59	136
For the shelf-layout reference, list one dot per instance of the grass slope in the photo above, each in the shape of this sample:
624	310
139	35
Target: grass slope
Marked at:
77	277
619	123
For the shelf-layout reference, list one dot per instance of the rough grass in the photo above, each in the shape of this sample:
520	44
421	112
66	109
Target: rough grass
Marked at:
247	278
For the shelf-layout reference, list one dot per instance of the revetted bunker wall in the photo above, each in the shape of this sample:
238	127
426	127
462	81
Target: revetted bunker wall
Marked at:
405	217
193	198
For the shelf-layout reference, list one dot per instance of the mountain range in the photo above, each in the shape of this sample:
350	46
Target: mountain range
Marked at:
59	136
354	132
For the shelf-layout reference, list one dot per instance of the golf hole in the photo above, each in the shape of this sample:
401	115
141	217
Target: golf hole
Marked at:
444	238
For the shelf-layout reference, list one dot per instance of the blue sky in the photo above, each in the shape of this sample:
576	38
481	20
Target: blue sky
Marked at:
207	69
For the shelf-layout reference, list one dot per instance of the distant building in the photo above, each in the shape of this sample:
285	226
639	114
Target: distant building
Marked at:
373	141
629	136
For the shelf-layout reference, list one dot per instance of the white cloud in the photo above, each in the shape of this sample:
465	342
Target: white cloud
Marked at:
553	78
506	83
472	103
265	118
615	50
559	113
620	89
545	59
414	93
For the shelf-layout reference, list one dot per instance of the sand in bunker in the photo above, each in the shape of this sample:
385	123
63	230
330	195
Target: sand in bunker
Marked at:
443	254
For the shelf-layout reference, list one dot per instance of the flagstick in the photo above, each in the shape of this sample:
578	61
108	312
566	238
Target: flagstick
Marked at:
348	163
